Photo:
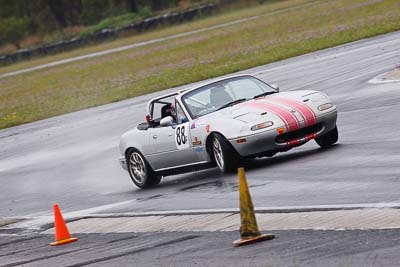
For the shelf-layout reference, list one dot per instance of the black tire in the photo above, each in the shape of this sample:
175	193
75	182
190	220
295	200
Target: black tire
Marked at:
226	158
328	139
141	173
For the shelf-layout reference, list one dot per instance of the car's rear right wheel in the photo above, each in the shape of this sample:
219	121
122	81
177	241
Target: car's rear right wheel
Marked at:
224	155
140	171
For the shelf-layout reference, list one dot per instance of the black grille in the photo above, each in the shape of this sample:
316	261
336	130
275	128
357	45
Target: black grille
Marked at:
286	137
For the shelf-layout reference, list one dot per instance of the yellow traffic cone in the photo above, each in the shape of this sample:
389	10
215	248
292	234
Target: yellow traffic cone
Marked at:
248	230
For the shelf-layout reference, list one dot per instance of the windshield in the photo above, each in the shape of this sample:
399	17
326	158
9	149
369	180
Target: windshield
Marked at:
212	97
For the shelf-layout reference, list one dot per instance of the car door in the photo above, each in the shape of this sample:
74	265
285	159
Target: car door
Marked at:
171	146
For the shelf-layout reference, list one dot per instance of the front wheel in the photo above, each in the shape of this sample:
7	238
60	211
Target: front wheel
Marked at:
140	171
224	154
328	139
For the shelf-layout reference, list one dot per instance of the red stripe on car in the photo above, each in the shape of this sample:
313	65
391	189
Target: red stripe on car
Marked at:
306	112
290	120
310	136
294	142
262	107
307	138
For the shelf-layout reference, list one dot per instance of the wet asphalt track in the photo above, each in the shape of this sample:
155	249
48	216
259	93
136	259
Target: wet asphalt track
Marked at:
72	160
290	248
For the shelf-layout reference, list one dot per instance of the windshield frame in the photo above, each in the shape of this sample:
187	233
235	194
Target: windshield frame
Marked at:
204	87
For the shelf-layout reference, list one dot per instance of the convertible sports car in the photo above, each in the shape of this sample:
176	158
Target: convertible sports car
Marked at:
220	123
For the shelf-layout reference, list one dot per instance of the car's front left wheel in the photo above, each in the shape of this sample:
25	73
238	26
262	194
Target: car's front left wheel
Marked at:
224	155
140	171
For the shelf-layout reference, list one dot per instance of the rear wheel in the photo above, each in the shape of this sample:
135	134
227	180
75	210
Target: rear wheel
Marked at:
224	155
140	171
328	139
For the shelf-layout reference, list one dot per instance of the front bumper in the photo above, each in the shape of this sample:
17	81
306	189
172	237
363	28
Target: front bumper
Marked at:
122	161
264	143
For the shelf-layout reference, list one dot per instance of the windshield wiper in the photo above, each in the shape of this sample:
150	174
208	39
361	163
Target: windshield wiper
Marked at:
234	102
264	94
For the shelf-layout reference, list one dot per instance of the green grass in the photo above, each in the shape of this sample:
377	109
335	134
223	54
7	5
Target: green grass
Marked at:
117	22
134	72
226	16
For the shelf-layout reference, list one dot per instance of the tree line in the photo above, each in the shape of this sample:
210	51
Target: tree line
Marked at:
21	17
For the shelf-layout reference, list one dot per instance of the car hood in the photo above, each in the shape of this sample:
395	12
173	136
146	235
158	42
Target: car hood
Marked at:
290	110
296	102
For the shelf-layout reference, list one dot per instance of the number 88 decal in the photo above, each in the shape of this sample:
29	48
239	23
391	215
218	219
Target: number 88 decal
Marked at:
181	137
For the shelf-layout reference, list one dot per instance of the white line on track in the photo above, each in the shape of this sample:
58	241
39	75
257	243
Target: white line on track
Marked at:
385	218
37	221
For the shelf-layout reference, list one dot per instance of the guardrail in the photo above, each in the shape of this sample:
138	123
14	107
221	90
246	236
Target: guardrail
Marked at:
106	34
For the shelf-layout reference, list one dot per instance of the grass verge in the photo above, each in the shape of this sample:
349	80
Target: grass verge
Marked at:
226	16
117	22
134	72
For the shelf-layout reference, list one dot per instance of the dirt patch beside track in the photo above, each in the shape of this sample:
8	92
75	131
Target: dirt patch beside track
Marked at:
392	75
4	222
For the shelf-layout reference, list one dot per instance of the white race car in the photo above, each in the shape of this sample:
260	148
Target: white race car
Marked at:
220	123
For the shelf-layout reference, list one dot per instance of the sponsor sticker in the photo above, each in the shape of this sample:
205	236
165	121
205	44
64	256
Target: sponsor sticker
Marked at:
196	142
199	149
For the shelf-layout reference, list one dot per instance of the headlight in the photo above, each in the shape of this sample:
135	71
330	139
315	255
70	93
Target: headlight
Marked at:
325	106
262	125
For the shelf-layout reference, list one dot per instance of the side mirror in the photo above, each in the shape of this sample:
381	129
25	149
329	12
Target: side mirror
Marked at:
275	86
167	121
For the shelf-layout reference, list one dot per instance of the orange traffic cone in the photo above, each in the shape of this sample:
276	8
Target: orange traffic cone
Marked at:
248	229
62	234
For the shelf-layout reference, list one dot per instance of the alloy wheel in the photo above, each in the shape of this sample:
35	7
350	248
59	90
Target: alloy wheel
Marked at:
218	155
137	168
